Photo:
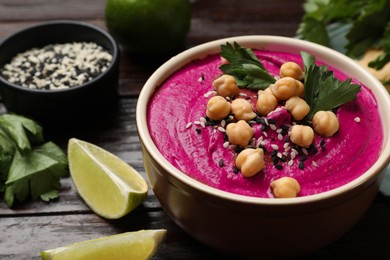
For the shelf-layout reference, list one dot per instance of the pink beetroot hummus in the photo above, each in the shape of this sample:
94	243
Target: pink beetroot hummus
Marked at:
175	122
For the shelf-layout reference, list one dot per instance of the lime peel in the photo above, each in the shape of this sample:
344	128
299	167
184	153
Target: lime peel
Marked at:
107	184
140	244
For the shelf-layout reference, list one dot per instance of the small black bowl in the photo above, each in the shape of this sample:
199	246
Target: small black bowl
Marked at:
51	107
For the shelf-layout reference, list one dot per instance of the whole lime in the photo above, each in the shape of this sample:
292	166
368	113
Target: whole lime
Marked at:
148	27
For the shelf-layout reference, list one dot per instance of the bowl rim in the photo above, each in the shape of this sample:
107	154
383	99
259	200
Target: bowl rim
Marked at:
114	45
251	41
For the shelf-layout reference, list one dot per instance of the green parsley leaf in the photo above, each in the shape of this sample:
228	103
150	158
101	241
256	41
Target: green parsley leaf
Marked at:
352	27
245	67
323	91
28	167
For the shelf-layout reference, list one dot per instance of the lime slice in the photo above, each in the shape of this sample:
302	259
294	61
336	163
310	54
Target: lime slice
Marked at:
131	245
107	184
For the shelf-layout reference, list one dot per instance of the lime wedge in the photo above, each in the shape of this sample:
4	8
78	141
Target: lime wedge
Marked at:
131	245
107	184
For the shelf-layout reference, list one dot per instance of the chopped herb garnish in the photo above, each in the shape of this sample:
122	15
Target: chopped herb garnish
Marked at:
245	67
323	91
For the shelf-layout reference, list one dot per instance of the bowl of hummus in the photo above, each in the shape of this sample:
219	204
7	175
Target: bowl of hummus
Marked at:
264	145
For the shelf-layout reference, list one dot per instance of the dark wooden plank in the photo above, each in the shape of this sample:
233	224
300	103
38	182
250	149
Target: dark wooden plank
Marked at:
24	237
16	10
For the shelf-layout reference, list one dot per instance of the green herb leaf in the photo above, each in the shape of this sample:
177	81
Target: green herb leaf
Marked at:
245	67
323	91
28	168
352	27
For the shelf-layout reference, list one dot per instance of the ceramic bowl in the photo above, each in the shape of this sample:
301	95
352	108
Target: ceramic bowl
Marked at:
259	227
53	106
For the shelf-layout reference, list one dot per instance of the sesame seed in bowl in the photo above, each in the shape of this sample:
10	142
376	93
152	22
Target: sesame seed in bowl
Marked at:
59	72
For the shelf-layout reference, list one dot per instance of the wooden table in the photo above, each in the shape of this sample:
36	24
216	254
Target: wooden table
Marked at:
27	229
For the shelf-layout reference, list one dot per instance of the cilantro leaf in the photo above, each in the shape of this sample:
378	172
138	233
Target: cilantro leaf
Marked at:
245	67
323	91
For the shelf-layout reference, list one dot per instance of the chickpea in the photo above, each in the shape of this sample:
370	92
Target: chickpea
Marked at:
217	108
302	135
297	107
285	88
268	90
242	109
250	161
239	133
285	187
325	123
226	86
266	102
291	69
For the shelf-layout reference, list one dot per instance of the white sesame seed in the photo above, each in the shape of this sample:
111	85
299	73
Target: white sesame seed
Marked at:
221	129
197	122
279	130
357	119
273	127
304	150
290	162
293	153
279	155
314	164
202	119
208	94
202	124
265	134
280	137
286	145
225	144
228	98
275	146
189	125
243	94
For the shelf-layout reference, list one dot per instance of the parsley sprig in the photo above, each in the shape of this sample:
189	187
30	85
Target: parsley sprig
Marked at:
350	27
245	67
29	168
323	91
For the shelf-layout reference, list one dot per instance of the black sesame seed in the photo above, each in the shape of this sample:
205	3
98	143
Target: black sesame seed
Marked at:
303	158
263	147
274	153
322	143
279	167
236	170
32	66
221	163
275	160
301	165
272	121
198	130
238	149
